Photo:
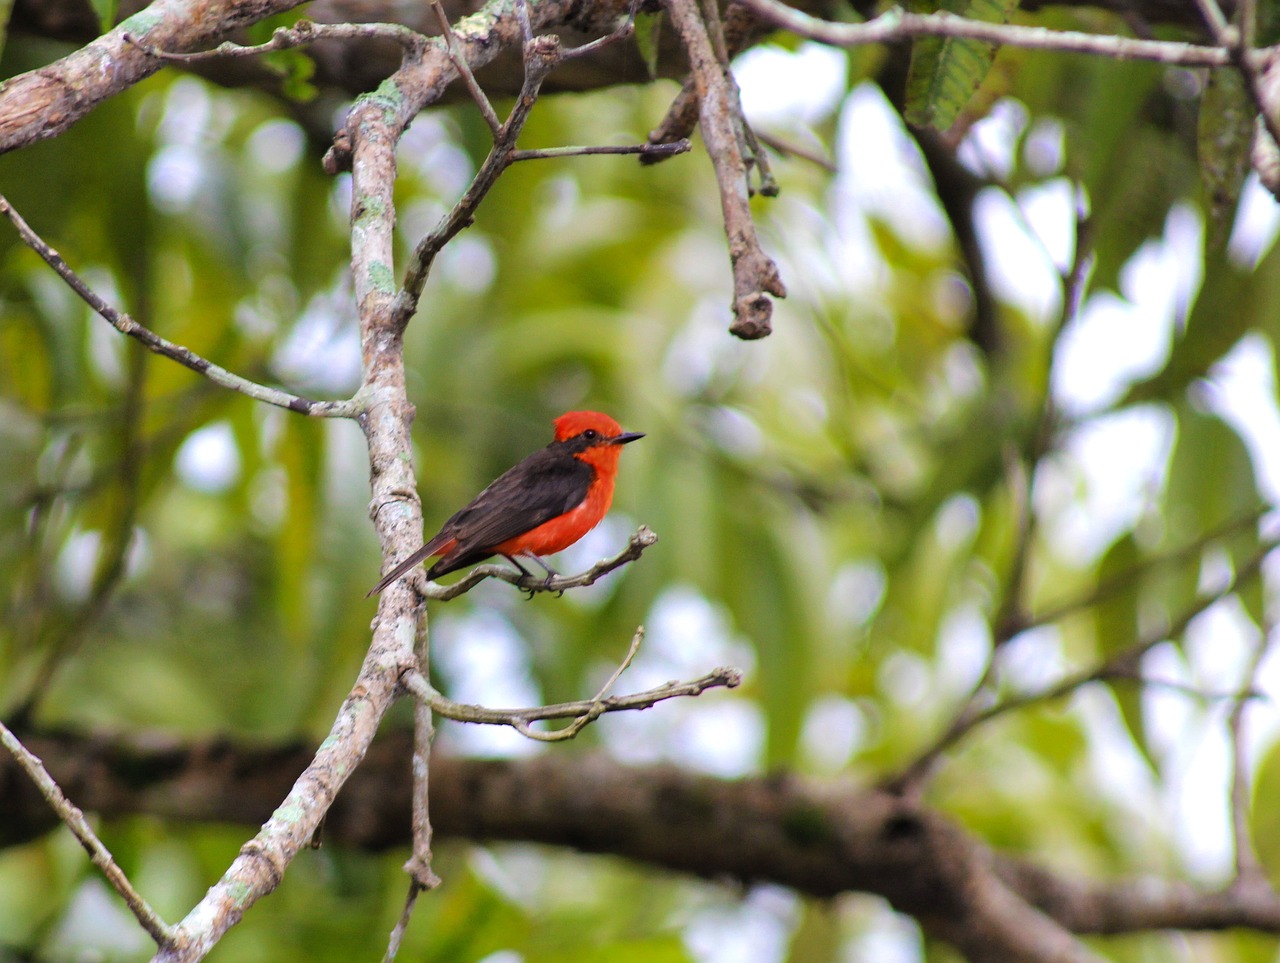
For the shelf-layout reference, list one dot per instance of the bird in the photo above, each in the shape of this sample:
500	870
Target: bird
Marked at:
538	507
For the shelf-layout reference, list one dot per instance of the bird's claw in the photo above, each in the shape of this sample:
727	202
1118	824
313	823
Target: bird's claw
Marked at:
536	587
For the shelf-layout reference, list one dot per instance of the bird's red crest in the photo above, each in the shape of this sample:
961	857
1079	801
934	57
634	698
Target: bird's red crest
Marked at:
573	423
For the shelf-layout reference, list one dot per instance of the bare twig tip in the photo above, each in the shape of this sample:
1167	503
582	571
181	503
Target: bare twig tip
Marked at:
753	315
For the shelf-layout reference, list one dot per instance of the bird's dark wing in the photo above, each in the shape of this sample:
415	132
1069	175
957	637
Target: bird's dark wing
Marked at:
544	486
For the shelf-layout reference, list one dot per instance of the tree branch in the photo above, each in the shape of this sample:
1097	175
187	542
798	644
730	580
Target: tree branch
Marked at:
74	820
582	713
644	150
174	352
1237	40
755	276
43	103
301	34
641	539
896	24
819	838
1118	665
741	29
422	877
540	57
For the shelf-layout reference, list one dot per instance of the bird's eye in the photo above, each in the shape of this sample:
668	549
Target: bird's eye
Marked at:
591	434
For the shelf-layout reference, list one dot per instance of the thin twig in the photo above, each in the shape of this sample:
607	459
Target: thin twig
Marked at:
526	25
1213	18
759	157
1247	14
642	538
755	275
624	30
419	865
752	154
788	149
301	34
896	24
540	55
1237	41
74	820
402	924
1192	691
1123	580
459	61
741	28
724	677
1116	666
1249	870
422	876
543	153
175	352
583	712
578	724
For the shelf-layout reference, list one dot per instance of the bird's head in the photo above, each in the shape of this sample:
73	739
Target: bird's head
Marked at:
594	437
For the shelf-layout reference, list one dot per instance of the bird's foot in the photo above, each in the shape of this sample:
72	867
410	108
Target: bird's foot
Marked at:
527	583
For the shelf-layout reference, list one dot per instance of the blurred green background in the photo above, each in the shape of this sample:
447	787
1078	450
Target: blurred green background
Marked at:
847	510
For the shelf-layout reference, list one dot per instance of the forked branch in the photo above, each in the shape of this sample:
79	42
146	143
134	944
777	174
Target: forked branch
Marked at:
541	55
755	276
583	713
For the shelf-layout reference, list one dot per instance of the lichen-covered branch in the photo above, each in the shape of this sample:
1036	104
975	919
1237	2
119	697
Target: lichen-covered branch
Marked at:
43	103
74	820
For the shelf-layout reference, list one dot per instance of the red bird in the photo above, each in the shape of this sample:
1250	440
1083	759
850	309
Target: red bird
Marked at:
540	507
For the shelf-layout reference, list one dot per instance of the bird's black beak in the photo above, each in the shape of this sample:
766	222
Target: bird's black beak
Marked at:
626	436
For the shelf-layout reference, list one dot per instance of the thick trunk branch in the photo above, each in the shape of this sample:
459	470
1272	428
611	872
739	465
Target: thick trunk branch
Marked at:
819	839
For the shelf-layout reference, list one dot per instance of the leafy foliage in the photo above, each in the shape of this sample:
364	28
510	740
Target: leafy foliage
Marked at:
946	71
846	509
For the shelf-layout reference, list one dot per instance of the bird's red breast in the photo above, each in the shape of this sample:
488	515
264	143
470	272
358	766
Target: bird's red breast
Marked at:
562	531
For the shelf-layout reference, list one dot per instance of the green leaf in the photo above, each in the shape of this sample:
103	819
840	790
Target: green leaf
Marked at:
647	32
105	9
1225	131
1115	617
1211	478
1264	814
301	453
295	69
1223	312
945	72
6	11
1115	620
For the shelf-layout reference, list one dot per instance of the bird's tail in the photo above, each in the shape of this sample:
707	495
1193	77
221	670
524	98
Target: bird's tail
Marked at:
433	547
